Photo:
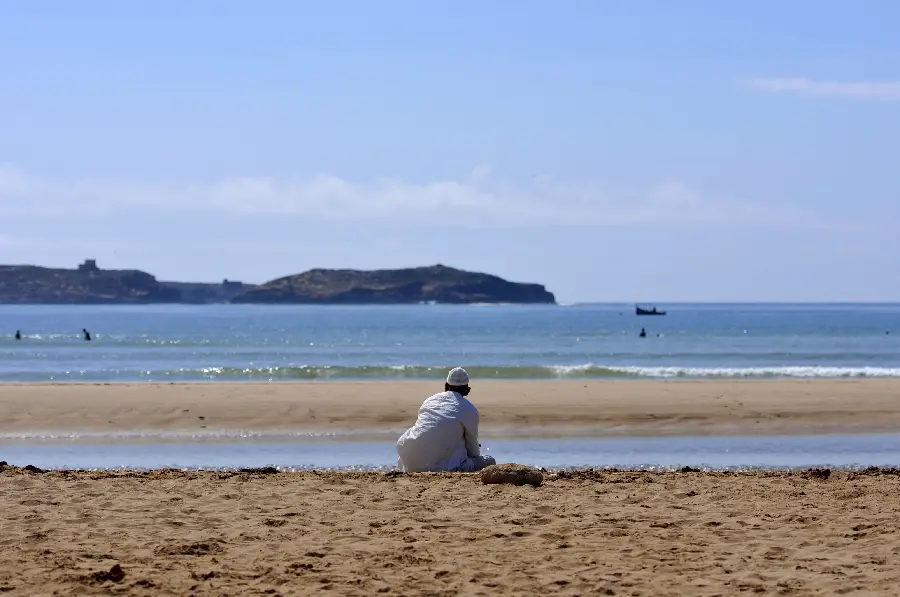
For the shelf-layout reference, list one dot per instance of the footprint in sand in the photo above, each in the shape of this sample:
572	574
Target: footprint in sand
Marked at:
551	536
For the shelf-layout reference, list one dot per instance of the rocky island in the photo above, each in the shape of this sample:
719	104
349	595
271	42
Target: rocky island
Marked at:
432	284
30	284
88	284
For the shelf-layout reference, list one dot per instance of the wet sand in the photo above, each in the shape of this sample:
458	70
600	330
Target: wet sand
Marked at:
605	533
508	408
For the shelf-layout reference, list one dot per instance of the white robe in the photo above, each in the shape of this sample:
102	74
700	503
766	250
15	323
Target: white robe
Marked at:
444	437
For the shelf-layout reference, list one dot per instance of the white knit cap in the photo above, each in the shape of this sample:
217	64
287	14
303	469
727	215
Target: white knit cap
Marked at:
458	377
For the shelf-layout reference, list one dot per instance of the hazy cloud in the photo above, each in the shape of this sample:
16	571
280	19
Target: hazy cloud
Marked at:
477	200
859	90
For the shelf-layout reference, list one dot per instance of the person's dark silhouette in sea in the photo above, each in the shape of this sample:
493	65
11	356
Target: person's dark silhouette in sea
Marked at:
643	333
87	335
18	335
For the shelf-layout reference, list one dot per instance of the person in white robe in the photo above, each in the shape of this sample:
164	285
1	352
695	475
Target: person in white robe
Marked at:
445	436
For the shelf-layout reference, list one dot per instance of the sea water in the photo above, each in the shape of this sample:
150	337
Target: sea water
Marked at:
717	453
283	343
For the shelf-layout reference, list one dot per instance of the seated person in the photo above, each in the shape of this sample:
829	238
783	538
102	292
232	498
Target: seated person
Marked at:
445	436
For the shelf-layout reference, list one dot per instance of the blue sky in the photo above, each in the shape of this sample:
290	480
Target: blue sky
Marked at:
634	151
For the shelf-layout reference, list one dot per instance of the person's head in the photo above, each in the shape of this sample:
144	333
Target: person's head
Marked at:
457	381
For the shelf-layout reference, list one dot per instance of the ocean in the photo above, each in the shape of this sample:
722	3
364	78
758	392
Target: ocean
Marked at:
581	341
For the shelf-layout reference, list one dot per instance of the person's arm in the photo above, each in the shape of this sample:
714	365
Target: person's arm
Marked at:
470	432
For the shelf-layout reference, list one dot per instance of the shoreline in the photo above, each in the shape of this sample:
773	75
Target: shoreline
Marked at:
558	408
619	375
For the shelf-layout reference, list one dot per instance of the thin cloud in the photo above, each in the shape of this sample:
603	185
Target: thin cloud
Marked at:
476	201
889	91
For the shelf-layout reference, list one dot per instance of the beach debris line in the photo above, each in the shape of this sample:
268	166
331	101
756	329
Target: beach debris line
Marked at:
513	474
29	468
114	574
264	470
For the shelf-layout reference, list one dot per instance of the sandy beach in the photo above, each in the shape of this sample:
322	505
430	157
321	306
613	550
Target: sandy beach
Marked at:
604	533
615	533
508	408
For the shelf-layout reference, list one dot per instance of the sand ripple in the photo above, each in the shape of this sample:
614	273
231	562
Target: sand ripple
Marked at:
579	533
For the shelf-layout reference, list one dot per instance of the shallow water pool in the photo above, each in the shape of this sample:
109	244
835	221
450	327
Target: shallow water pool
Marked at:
742	452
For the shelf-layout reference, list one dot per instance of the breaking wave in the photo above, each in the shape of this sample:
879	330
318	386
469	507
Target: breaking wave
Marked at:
422	372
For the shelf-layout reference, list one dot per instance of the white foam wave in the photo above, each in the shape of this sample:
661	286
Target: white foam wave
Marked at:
804	372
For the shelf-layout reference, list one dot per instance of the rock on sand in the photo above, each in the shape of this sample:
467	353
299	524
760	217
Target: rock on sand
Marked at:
515	474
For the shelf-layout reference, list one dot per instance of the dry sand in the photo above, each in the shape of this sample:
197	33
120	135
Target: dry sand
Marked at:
528	408
604	533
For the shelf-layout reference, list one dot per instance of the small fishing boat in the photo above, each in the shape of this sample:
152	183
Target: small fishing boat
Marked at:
652	311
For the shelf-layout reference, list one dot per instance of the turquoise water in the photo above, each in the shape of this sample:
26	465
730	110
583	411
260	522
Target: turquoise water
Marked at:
741	453
248	342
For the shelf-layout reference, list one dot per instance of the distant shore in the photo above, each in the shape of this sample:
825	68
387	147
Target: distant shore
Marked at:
89	284
508	408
